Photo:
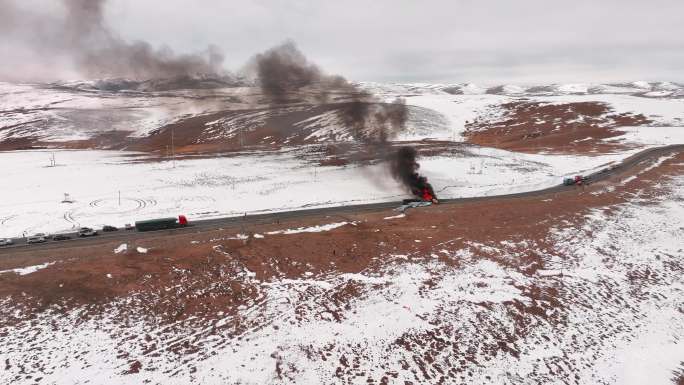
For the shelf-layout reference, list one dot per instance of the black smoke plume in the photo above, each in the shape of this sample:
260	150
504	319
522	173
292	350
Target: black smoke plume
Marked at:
284	74
404	168
283	70
372	121
79	38
98	51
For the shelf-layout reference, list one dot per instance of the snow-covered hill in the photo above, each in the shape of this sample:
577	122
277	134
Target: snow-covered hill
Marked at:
199	82
582	286
118	113
638	88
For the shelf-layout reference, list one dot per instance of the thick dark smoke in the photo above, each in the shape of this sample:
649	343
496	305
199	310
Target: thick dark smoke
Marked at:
284	70
80	39
77	36
404	166
285	74
99	52
372	121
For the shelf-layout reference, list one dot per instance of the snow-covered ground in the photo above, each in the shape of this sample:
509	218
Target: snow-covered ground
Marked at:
458	110
58	115
614	329
241	183
614	318
282	180
651	136
28	269
662	111
440	111
612	285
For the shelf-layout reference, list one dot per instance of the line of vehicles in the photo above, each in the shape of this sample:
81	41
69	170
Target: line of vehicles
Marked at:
169	223
176	222
83	232
173	222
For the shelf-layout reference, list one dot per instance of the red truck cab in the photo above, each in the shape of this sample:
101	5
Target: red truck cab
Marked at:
182	221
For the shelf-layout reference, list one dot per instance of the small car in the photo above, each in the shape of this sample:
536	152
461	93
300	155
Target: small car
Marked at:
107	228
6	242
37	238
129	226
86	232
61	237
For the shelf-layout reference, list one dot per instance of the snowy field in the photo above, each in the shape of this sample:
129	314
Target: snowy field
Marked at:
244	183
441	111
615	318
60	115
664	109
275	180
645	332
600	302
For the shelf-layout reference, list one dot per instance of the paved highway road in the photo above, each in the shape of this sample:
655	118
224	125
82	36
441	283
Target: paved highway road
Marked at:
213	224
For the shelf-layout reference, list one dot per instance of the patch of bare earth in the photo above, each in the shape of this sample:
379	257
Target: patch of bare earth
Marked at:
576	128
233	128
270	127
197	296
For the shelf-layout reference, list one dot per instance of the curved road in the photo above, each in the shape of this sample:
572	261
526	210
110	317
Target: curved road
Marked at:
213	224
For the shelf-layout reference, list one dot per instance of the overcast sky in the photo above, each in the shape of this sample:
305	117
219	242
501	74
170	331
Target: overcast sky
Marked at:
502	41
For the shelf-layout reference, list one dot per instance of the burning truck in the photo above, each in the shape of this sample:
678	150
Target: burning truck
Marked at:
404	168
284	73
422	189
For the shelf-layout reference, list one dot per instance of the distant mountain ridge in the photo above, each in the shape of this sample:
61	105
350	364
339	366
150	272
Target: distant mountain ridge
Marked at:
637	88
185	82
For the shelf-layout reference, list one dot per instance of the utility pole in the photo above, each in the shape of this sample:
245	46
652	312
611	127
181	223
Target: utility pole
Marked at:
119	197
173	149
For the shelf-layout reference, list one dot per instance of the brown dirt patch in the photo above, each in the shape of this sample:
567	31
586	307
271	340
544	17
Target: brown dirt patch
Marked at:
240	129
80	276
533	127
191	286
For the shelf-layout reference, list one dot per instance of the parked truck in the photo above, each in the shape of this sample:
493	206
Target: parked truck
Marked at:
161	223
577	180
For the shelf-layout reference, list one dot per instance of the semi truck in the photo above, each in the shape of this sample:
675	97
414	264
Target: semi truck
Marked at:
161	223
577	180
